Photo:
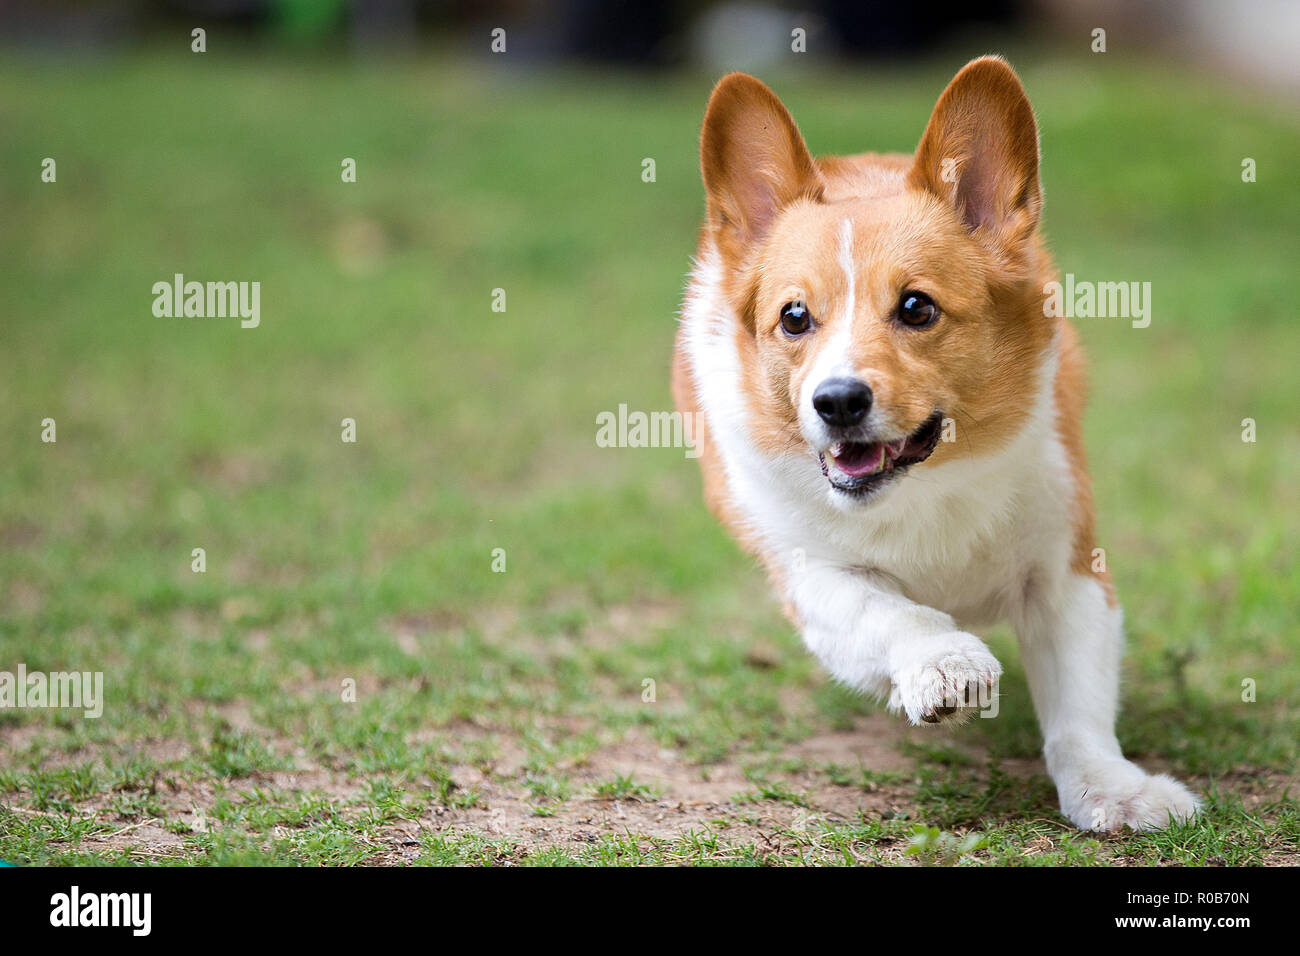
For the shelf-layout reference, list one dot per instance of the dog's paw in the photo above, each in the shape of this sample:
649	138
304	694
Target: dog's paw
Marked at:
943	679
1118	794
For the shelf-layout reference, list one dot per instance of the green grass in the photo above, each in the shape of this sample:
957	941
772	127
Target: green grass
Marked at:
227	737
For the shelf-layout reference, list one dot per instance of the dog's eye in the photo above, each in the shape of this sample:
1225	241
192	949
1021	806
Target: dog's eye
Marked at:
795	319
917	309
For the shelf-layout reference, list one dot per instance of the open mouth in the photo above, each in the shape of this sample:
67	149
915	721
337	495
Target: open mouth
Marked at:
857	467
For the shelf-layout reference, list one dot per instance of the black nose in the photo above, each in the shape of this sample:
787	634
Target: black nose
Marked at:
842	401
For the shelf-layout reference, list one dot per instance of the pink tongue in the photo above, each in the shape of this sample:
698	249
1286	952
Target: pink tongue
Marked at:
859	459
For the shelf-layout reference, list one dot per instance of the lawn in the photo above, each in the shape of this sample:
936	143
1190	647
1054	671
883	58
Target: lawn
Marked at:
473	635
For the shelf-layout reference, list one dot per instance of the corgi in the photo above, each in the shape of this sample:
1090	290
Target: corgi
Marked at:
890	420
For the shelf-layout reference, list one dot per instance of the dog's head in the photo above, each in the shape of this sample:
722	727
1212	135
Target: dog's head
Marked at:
887	302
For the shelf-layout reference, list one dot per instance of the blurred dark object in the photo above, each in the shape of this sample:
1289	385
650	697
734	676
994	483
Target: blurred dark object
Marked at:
632	34
646	33
883	29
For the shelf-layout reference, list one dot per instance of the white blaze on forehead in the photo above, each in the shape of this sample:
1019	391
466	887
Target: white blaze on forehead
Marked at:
846	263
833	358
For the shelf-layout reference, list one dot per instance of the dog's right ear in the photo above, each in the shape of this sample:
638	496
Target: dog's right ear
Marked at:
754	163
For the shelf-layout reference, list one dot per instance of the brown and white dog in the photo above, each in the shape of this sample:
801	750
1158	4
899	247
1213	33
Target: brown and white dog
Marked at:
889	420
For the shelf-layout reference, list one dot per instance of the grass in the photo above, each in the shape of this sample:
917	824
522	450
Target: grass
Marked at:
350	681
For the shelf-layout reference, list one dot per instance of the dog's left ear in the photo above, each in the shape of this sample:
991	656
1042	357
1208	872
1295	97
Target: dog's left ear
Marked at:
980	153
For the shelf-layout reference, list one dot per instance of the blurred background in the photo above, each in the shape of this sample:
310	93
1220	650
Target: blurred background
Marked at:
1251	39
525	171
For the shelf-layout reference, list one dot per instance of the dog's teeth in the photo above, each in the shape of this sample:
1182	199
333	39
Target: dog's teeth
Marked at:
837	449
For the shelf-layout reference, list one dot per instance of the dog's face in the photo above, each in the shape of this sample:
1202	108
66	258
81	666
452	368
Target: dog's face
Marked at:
888	303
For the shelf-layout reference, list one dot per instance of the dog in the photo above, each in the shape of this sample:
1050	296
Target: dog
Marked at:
890	420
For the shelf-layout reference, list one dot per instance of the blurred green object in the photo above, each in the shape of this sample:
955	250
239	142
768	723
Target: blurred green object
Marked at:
307	19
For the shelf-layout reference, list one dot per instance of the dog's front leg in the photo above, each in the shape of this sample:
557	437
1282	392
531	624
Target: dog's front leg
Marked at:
872	638
1071	641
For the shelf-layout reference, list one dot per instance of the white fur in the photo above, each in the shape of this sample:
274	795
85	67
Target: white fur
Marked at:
885	590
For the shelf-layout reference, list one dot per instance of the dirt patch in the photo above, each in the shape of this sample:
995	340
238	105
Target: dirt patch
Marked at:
672	797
